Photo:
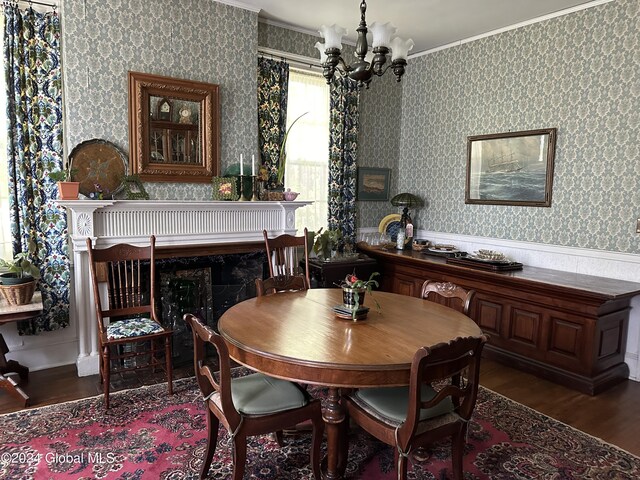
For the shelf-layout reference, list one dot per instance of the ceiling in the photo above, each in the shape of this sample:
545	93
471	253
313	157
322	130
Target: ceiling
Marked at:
430	23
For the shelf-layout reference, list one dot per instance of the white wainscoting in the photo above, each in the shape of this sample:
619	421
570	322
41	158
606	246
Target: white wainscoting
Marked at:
601	263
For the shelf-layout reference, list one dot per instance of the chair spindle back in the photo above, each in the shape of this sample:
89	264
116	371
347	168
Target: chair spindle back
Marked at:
285	253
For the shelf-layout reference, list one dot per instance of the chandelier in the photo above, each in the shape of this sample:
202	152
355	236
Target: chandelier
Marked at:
369	62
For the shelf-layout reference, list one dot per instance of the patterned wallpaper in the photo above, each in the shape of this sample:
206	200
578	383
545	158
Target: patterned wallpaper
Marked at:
379	140
579	73
380	114
193	39
285	40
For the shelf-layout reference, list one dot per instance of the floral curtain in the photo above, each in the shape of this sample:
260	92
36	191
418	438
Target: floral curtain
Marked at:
34	148
273	83
343	147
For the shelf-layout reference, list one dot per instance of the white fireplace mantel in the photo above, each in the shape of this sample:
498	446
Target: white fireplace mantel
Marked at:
174	223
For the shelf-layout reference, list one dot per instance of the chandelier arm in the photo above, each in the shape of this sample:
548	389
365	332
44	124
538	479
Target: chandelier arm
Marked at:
345	68
397	66
382	71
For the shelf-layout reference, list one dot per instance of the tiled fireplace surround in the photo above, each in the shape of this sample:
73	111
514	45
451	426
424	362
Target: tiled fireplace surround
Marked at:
182	229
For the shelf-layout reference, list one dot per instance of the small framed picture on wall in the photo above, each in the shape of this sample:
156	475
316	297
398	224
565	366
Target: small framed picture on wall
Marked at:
373	184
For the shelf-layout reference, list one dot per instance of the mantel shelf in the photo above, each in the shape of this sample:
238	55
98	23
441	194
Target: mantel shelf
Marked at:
177	222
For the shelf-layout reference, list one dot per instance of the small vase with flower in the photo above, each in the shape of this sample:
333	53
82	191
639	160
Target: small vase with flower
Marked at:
354	290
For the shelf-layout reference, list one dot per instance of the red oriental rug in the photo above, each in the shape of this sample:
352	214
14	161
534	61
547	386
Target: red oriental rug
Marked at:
150	435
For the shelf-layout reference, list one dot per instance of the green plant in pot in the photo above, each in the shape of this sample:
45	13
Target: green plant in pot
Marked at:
326	242
354	289
18	270
18	281
67	188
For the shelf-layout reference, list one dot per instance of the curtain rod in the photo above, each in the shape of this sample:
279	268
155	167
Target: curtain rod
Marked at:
32	2
300	60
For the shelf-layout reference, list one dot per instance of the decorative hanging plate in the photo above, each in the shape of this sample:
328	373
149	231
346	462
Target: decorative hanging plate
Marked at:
386	221
98	165
390	224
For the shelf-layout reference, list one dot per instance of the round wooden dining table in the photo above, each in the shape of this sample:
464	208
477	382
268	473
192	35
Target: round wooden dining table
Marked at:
297	336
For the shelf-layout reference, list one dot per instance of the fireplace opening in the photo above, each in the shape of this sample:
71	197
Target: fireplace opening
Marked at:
205	286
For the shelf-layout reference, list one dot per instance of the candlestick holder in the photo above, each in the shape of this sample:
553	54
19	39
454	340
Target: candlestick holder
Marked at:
242	197
254	182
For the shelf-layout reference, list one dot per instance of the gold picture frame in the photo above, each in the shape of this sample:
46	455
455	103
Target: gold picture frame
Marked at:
162	148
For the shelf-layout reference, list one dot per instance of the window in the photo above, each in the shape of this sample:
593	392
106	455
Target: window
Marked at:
307	167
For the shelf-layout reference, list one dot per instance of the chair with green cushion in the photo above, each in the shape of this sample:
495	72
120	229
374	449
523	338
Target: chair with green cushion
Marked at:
255	404
438	402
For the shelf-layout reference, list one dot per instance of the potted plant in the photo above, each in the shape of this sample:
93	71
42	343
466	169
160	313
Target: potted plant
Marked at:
18	282
354	289
282	160
67	188
326	243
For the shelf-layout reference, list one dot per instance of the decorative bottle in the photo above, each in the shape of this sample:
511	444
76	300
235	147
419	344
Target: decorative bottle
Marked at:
409	233
400	240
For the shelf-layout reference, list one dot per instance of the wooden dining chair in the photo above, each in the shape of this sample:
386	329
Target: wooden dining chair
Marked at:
285	253
255	404
280	284
438	403
130	335
448	294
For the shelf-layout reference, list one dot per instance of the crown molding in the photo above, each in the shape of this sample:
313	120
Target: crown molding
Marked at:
515	26
314	33
238	4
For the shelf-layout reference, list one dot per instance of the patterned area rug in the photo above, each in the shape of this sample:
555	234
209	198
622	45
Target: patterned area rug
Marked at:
150	435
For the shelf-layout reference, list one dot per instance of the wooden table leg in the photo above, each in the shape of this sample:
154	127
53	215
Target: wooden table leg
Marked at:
333	415
11	366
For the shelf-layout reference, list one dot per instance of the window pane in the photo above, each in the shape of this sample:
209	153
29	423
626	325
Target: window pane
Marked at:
307	167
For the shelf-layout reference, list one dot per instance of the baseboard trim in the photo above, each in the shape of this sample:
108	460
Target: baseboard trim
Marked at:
88	365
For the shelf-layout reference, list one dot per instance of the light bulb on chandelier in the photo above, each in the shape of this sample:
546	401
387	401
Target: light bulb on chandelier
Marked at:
369	62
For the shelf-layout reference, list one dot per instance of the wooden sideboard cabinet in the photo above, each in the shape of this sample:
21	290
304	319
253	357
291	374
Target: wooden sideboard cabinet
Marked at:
562	326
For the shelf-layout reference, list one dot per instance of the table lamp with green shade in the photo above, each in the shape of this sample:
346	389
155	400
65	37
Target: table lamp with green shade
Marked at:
406	200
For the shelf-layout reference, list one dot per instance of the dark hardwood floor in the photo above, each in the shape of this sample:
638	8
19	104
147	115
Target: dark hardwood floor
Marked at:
613	415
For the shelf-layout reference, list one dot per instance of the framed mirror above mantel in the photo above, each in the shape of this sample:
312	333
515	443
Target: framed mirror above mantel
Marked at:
174	129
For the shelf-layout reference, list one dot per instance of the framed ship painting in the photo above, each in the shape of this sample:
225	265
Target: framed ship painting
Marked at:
513	168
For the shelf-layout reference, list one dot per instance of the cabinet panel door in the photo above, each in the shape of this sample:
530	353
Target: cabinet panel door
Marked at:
567	345
525	325
488	315
405	286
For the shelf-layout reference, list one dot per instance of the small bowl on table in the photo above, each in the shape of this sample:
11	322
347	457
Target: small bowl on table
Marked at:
420	245
290	196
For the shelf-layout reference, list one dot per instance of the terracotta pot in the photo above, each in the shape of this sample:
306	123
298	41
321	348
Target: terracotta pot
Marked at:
68	190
